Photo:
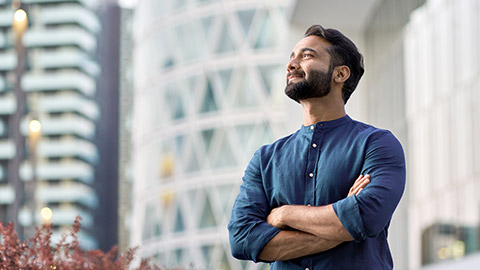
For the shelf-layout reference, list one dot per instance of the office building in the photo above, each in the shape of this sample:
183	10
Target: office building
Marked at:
52	76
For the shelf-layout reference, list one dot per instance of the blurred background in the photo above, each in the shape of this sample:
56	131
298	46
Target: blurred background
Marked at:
140	116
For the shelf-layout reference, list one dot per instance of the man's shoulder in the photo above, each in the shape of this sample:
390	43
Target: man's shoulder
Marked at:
371	132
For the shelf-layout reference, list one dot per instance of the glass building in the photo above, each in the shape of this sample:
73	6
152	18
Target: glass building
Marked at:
50	76
208	91
207	75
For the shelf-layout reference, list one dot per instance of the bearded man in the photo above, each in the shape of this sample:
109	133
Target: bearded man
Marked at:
323	197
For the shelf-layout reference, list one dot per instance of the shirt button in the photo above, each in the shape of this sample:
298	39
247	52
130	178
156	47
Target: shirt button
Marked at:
309	205
314	145
311	175
307	268
312	127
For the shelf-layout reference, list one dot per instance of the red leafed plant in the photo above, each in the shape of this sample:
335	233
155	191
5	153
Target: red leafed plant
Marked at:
37	253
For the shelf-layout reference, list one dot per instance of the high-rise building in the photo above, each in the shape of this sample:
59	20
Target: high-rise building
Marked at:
206	82
206	87
52	75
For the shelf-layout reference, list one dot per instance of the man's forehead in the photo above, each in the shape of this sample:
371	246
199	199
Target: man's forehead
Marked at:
312	42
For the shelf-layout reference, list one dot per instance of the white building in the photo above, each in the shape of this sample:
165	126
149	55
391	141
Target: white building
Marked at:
60	84
209	90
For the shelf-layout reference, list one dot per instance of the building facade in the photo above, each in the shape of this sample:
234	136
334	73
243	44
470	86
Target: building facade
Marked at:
207	75
56	70
203	95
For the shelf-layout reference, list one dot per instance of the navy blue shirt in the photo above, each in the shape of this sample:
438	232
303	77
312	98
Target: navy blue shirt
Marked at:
317	165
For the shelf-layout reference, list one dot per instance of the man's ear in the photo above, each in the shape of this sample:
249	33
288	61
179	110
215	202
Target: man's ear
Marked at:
341	74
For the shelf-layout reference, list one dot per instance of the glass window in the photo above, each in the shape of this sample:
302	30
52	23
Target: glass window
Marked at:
179	224
207	219
269	75
207	136
225	43
225	75
267	37
246	17
208	104
245	93
225	157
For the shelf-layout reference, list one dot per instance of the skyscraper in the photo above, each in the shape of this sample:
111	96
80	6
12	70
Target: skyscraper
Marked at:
207	75
58	87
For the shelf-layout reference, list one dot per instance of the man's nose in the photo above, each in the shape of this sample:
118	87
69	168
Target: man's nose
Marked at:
292	64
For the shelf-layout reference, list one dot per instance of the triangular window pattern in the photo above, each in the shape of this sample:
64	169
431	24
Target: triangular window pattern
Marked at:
207	23
207	219
179	224
246	17
192	162
207	136
225	157
225	43
265	136
207	255
179	255
267	37
268	74
208	104
224	193
245	96
224	76
244	133
223	264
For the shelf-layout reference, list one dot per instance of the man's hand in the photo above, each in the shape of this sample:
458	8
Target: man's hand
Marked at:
360	183
275	218
278	216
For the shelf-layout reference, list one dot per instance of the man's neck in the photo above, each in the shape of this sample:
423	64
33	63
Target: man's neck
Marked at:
321	109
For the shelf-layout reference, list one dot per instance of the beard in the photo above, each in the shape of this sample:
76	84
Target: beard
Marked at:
317	85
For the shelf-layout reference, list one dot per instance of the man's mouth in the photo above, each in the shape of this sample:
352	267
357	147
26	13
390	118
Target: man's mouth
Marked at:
292	77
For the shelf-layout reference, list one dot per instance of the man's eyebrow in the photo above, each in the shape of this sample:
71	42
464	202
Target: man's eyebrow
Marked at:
304	50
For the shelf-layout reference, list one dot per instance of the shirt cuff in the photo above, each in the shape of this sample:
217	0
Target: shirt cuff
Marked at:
349	214
258	238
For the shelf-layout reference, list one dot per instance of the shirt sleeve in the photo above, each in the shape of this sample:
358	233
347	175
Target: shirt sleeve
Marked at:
248	230
367	214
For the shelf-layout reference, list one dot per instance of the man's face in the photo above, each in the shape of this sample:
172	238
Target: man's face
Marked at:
309	73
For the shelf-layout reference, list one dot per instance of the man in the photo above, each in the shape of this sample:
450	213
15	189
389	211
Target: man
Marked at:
302	204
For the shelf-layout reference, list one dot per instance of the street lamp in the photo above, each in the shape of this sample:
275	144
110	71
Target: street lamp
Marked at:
34	134
46	214
19	26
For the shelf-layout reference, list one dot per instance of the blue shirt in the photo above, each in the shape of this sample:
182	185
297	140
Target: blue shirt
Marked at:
317	165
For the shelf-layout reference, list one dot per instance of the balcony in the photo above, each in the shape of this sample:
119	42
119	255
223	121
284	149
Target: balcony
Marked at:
62	216
69	124
7	194
68	148
65	59
8	60
66	36
72	169
71	193
6	17
70	14
89	3
8	104
69	103
7	149
74	80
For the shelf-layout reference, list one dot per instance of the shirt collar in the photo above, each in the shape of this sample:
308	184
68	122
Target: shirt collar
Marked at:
326	124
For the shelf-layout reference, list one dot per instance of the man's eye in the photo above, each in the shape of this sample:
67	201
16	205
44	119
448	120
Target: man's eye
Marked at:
307	55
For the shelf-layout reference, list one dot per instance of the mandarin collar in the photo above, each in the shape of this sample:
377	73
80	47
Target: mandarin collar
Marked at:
326	124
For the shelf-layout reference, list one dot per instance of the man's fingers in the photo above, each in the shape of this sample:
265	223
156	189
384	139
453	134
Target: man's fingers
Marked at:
360	183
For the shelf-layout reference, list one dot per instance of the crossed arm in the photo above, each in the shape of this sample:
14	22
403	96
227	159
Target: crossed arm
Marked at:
307	230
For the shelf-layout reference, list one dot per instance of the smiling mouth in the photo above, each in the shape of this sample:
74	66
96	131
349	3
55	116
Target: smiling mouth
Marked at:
293	77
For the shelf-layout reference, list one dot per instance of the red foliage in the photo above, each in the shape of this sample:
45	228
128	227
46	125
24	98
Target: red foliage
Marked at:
37	253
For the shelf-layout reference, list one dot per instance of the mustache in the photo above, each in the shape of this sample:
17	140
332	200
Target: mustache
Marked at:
296	73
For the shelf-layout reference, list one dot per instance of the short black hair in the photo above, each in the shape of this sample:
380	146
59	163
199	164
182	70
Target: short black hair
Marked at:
343	52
